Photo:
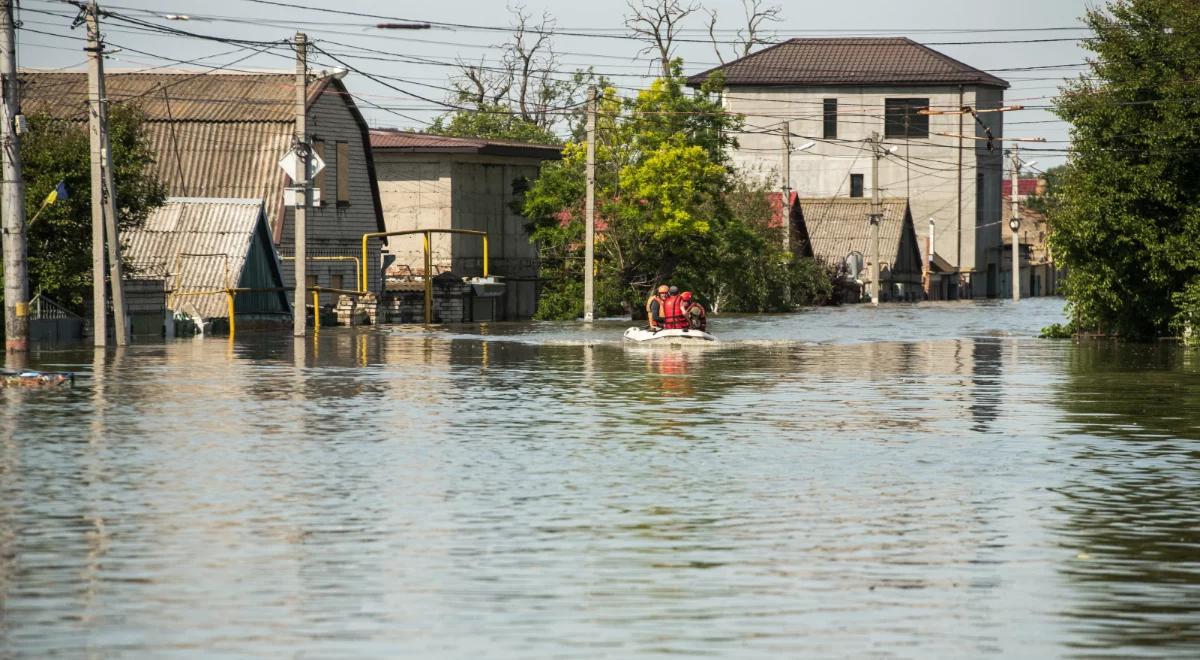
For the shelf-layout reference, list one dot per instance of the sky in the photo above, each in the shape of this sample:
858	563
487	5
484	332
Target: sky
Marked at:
415	67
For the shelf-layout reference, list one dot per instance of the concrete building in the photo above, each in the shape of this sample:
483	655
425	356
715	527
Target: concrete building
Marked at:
837	92
221	135
431	181
1039	275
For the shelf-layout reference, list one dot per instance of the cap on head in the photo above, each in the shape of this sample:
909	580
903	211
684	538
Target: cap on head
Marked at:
662	288
686	295
673	290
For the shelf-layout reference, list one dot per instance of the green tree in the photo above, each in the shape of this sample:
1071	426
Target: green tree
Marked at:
491	120
664	200
59	238
1126	217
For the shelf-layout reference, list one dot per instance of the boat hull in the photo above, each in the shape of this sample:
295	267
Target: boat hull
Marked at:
642	335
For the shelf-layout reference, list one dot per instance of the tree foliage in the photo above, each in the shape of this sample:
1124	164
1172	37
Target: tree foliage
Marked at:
1126	218
60	237
668	209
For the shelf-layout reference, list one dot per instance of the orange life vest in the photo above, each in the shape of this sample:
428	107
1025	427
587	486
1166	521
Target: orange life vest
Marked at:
649	312
673	315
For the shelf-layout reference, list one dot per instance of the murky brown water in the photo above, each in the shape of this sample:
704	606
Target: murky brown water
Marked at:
915	481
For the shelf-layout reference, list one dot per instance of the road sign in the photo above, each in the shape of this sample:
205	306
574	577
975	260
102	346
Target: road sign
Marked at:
291	160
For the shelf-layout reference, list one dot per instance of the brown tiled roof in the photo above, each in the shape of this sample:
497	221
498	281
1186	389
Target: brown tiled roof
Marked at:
839	226
848	61
386	140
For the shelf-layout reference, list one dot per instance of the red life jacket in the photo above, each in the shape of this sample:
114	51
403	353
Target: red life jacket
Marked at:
673	315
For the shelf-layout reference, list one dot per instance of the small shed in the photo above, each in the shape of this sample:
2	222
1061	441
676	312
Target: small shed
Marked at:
202	245
839	231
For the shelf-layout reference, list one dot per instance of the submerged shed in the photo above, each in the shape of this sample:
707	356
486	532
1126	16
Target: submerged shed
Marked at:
202	246
839	232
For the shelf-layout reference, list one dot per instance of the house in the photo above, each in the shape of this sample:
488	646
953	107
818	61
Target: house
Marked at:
1039	275
221	135
199	247
837	92
438	182
837	231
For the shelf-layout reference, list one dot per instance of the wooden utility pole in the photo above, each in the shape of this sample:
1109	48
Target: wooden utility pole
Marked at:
589	211
1014	223
875	217
12	195
300	180
104	206
787	186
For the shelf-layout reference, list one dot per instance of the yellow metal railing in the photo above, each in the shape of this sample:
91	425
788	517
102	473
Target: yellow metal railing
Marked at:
360	286
428	257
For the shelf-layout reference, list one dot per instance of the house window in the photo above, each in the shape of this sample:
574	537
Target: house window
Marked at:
343	174
830	119
901	118
856	185
335	282
310	280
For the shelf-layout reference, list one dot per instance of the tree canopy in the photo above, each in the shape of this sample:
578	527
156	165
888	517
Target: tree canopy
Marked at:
665	211
1126	216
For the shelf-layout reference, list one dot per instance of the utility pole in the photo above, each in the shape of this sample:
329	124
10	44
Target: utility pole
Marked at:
785	206
1014	223
12	196
300	180
589	211
104	214
876	216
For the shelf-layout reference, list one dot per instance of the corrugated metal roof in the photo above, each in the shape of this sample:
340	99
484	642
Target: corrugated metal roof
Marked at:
849	61
839	226
384	140
220	229
182	96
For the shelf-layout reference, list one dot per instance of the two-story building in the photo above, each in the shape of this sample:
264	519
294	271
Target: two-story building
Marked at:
933	114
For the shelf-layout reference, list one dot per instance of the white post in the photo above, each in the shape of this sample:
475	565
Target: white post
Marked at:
589	212
99	297
875	218
300	180
787	186
1015	224
12	204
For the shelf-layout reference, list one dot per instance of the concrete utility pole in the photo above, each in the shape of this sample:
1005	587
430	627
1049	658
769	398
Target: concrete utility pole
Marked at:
785	206
1014	223
589	212
104	214
876	216
12	196
300	180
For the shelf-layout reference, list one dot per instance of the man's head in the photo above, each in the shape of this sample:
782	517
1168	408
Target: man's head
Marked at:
673	290
686	296
663	290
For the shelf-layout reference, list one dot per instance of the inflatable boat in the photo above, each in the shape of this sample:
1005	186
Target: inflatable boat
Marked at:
645	335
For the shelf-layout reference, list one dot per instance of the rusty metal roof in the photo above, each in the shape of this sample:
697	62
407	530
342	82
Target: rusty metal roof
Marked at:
391	141
856	61
196	244
838	226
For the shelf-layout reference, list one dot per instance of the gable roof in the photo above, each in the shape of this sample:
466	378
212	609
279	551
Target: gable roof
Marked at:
393	141
214	134
218	232
838	226
851	61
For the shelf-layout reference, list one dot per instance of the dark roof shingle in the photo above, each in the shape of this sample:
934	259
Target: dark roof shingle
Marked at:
385	140
848	61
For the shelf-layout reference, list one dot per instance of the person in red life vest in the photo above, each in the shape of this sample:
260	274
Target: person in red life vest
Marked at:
673	317
697	318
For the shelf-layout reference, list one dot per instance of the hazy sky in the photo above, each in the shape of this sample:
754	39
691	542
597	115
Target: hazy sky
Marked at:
942	24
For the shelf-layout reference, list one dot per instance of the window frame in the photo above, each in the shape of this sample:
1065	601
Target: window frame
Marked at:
829	119
861	185
897	109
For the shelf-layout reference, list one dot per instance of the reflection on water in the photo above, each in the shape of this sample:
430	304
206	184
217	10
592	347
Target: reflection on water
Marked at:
913	480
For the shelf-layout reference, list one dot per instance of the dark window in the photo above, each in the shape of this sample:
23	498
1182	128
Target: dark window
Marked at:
901	118
830	119
343	174
310	280
335	282
856	185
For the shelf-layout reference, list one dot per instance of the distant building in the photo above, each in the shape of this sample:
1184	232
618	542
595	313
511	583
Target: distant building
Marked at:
836	231
432	181
201	246
1039	275
837	92
222	134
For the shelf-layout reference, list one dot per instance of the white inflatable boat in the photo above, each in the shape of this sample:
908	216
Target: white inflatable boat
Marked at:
646	335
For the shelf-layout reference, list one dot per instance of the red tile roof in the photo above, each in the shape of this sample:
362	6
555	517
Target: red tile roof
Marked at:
1024	186
884	61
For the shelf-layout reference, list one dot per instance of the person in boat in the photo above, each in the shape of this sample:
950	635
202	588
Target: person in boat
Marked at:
654	307
693	311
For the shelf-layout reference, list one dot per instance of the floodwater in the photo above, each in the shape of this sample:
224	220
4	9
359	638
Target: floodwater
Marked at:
909	481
